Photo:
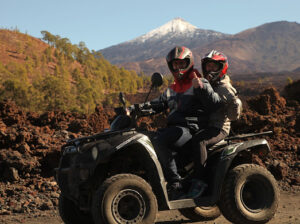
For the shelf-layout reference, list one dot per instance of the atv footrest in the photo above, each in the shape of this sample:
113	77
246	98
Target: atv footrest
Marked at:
189	203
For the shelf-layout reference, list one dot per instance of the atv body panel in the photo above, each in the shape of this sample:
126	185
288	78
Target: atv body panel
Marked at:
85	160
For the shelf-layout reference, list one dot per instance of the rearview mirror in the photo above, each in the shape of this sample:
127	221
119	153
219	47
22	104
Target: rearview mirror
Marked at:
122	98
156	79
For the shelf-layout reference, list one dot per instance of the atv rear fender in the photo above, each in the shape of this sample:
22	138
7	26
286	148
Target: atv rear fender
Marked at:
228	155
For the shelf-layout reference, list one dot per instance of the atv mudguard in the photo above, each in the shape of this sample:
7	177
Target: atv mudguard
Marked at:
157	180
225	162
256	144
108	144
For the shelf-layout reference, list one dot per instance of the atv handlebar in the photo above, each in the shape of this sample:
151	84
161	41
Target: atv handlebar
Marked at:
136	110
141	110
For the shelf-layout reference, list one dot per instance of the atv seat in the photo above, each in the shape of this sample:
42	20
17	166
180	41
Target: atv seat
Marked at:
211	150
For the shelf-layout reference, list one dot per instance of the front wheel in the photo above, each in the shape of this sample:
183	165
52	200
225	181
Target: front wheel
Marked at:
201	213
250	195
124	198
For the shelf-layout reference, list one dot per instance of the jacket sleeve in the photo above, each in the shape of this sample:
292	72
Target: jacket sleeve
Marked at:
209	98
233	104
234	109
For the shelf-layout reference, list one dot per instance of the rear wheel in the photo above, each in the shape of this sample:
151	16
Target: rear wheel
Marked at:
124	198
201	213
250	195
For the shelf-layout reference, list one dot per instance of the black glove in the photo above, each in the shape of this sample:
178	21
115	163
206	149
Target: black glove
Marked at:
159	106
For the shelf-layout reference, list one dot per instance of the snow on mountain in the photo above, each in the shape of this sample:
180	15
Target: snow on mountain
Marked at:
177	25
159	41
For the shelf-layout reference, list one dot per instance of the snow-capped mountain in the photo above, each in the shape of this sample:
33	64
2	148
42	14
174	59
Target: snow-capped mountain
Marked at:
178	27
158	42
271	47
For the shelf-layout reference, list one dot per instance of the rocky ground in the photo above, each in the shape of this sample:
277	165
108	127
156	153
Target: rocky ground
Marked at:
30	147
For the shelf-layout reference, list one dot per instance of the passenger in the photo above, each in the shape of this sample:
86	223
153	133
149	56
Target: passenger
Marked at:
214	68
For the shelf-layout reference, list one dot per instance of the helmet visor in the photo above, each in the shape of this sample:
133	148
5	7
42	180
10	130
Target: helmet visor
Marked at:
179	64
213	66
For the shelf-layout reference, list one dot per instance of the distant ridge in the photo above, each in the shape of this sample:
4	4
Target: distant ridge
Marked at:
271	47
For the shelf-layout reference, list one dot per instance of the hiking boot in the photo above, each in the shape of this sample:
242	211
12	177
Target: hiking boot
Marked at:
197	188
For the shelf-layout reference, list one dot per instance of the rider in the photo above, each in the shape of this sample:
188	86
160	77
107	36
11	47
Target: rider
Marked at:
214	68
190	99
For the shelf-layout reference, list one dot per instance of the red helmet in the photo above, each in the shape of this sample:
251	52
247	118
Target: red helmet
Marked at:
218	58
180	53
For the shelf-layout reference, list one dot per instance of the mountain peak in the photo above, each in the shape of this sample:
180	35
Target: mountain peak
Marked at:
176	25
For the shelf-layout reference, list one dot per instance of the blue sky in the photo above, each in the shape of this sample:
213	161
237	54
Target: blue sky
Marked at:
101	24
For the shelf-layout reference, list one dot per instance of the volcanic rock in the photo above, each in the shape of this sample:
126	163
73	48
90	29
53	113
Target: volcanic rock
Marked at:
30	145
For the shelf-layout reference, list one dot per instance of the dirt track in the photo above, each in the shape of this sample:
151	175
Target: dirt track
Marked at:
288	213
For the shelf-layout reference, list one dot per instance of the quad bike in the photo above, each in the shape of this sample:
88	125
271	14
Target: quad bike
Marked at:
116	177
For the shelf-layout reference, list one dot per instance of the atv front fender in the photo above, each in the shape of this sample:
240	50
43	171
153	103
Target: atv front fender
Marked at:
146	154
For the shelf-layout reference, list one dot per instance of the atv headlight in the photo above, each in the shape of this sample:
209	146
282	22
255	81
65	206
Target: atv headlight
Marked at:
94	152
70	150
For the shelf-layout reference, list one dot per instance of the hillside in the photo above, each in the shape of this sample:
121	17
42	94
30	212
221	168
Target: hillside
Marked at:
272	47
58	75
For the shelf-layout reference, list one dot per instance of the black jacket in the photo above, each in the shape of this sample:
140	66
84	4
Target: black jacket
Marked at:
190	107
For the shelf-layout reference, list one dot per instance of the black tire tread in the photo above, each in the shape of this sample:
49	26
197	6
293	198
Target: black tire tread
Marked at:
227	203
100	193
